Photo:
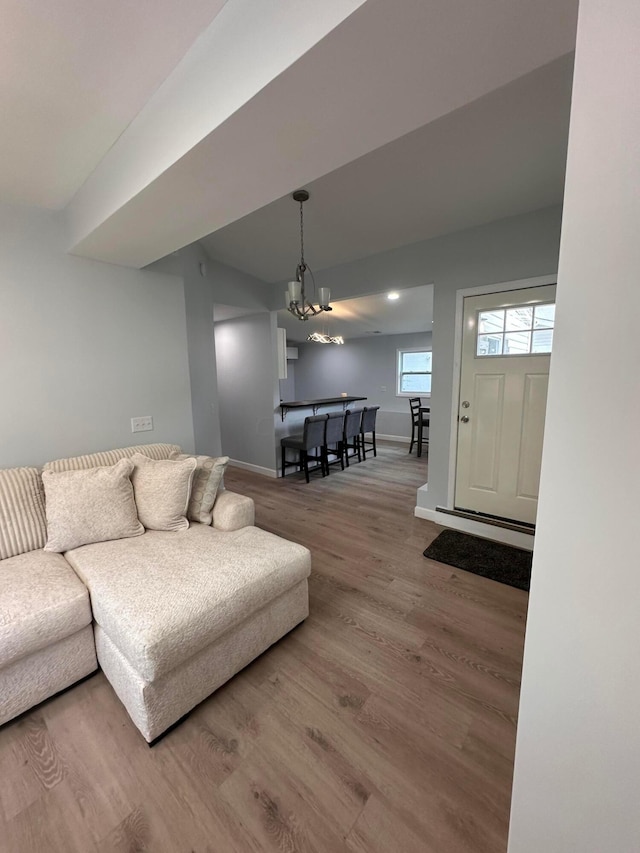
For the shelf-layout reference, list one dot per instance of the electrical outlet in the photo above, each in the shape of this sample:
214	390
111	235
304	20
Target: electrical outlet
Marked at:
383	388
143	424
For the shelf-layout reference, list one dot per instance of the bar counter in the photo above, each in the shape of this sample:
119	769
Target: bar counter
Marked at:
316	404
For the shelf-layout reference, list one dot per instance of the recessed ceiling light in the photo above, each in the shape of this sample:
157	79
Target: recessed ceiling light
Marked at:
393	295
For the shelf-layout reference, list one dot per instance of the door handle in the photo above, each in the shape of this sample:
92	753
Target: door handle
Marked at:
464	419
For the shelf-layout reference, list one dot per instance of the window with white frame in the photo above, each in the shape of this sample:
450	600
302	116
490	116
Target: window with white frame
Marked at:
414	372
521	330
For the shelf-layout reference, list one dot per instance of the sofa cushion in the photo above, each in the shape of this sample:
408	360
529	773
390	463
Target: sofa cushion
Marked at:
165	596
41	674
90	506
162	488
207	480
22	520
109	457
41	601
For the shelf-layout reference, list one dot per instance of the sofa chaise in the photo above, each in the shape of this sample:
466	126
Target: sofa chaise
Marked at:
175	614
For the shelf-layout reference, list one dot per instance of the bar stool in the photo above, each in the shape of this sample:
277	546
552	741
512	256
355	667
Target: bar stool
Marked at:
312	437
418	422
368	425
351	434
424	425
333	437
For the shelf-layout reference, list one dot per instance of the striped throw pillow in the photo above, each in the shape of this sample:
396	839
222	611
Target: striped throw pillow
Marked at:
207	481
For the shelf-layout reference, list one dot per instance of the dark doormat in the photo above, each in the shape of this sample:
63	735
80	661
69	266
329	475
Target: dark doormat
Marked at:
493	560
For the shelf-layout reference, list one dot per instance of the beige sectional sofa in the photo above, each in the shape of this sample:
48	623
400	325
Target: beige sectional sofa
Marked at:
175	614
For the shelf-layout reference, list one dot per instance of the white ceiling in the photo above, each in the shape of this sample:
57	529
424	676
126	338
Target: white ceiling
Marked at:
73	75
500	156
366	316
357	83
155	124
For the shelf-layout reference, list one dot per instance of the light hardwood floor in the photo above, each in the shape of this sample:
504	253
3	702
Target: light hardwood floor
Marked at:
384	724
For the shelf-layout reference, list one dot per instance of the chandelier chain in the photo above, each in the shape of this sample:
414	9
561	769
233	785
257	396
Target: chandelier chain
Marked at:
302	263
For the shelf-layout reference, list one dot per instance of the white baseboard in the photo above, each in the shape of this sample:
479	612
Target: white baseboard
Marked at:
402	439
477	528
257	469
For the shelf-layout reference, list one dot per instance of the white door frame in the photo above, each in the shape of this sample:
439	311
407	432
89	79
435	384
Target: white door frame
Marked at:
482	289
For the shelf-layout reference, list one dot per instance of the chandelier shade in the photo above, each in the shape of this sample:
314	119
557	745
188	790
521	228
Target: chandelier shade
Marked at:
295	292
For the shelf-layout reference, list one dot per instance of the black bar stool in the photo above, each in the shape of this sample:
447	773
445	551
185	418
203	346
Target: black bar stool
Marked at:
351	435
333	439
368	425
418	422
312	437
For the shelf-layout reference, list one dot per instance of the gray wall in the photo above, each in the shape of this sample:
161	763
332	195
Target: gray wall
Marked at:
246	358
506	250
219	284
512	249
229	285
84	347
288	385
198	297
362	367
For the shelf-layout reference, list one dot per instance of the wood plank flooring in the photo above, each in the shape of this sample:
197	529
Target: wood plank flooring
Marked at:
384	724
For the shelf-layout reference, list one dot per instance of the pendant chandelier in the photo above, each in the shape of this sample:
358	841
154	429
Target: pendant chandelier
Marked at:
297	302
323	338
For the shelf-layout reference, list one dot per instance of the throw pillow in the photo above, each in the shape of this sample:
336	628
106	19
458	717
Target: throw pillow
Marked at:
206	484
162	488
89	506
23	525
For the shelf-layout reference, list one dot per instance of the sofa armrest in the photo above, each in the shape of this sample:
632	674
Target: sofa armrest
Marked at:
232	511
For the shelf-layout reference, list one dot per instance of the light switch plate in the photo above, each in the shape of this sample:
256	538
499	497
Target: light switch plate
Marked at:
142	424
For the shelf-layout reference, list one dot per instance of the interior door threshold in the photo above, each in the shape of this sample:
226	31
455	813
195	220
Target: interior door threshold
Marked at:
495	521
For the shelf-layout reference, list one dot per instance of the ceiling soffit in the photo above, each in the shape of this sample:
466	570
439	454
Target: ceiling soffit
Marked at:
303	124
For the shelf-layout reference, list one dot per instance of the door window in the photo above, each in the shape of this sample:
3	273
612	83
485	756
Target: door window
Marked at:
520	330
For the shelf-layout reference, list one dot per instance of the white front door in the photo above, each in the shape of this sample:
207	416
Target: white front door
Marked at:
506	346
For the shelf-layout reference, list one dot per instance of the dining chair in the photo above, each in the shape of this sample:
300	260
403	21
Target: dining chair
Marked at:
351	434
312	438
425	418
333	439
368	425
417	423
